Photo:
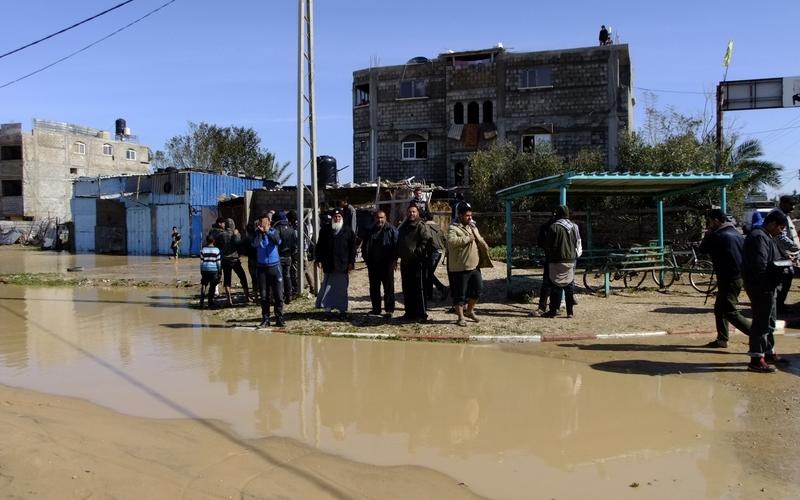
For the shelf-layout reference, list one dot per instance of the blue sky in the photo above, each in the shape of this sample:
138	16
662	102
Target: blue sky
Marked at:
234	63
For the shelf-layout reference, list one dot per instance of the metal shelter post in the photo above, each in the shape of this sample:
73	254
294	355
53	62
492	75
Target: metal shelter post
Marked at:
562	199
723	199
509	249
660	208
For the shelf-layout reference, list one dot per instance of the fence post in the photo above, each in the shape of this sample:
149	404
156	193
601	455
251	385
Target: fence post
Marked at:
509	249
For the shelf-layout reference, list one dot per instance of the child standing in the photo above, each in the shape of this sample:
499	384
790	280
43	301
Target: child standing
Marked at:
210	266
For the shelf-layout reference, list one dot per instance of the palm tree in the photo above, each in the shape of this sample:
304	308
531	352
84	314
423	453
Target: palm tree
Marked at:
746	157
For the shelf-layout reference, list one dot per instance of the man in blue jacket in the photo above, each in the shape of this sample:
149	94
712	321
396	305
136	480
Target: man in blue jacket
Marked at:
268	270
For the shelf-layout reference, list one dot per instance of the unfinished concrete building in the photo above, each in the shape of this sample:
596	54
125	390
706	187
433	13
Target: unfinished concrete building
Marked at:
425	118
37	169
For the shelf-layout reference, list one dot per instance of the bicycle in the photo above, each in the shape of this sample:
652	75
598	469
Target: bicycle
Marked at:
618	266
701	272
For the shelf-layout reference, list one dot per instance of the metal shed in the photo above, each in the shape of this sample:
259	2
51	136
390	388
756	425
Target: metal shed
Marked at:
151	206
656	185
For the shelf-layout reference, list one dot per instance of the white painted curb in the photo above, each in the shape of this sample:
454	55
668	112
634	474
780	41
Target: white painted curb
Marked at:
505	338
626	335
364	335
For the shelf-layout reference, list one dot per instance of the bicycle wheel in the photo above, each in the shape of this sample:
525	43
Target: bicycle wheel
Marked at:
668	274
594	278
702	277
634	279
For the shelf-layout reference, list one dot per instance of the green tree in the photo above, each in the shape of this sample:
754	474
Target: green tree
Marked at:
225	150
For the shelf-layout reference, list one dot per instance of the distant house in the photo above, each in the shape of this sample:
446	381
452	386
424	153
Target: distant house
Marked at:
37	168
135	214
424	118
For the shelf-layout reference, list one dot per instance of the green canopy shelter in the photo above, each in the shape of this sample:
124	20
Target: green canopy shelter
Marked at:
657	185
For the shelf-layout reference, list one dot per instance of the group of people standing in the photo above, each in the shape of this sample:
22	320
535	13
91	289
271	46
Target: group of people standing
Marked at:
416	247
761	264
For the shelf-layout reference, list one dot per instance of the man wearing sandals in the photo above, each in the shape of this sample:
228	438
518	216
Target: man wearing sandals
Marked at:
467	253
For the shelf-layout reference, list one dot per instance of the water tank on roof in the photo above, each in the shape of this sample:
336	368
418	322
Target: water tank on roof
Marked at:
418	60
326	170
119	126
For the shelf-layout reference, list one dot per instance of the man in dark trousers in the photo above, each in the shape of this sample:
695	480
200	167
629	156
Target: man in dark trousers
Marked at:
414	248
544	290
789	245
229	242
268	270
286	251
603	37
379	250
724	244
421	203
762	270
335	253
562	252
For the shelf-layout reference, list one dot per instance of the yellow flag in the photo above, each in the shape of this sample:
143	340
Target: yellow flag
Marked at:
727	59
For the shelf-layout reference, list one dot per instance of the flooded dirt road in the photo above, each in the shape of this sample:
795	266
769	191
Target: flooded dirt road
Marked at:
530	422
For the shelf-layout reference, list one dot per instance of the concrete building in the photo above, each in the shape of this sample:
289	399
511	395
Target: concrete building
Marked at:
37	168
425	117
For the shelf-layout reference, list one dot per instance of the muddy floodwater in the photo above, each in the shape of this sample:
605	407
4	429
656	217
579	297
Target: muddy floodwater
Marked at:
507	423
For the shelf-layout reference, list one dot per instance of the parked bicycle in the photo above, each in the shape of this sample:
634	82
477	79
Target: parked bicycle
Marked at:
700	271
621	265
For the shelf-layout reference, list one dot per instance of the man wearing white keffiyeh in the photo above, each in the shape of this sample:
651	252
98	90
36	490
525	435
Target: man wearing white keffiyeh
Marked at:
563	243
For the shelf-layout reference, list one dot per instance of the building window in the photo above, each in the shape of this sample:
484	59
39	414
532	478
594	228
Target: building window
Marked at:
362	146
362	95
10	152
488	112
130	154
415	148
11	188
473	112
531	141
73	171
108	149
79	148
536	77
458	113
412	88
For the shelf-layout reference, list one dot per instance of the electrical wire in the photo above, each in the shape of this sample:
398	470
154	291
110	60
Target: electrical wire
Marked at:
86	47
768	131
673	91
65	29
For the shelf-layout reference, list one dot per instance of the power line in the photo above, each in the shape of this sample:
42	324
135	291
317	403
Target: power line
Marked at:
87	47
65	29
673	91
772	130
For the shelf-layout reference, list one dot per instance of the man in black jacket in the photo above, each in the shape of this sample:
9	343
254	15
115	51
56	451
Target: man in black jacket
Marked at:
229	242
762	271
724	244
335	253
414	248
286	251
380	253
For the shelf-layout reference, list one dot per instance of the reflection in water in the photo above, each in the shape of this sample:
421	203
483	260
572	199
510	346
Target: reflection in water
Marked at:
503	421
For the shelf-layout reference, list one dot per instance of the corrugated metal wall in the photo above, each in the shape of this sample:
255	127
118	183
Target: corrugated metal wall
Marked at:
84	215
166	217
140	234
206	189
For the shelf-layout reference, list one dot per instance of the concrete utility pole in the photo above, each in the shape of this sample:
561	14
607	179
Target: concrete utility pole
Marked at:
306	134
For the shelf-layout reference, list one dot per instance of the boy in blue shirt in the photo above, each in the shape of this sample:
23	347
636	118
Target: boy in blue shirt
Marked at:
210	266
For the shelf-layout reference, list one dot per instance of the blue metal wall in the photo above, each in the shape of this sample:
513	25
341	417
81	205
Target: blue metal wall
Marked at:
206	189
84	217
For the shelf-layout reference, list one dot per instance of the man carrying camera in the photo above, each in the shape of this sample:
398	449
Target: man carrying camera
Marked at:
268	270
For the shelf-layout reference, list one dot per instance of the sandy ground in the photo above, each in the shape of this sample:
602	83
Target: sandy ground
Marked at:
681	309
65	448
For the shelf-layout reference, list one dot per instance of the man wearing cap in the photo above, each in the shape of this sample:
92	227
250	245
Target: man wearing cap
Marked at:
724	244
789	245
762	268
414	248
335	253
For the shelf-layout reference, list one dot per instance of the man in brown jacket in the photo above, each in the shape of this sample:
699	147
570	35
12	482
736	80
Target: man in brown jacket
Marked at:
467	253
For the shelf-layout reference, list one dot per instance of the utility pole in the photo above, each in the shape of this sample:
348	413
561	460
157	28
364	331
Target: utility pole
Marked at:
718	155
306	132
